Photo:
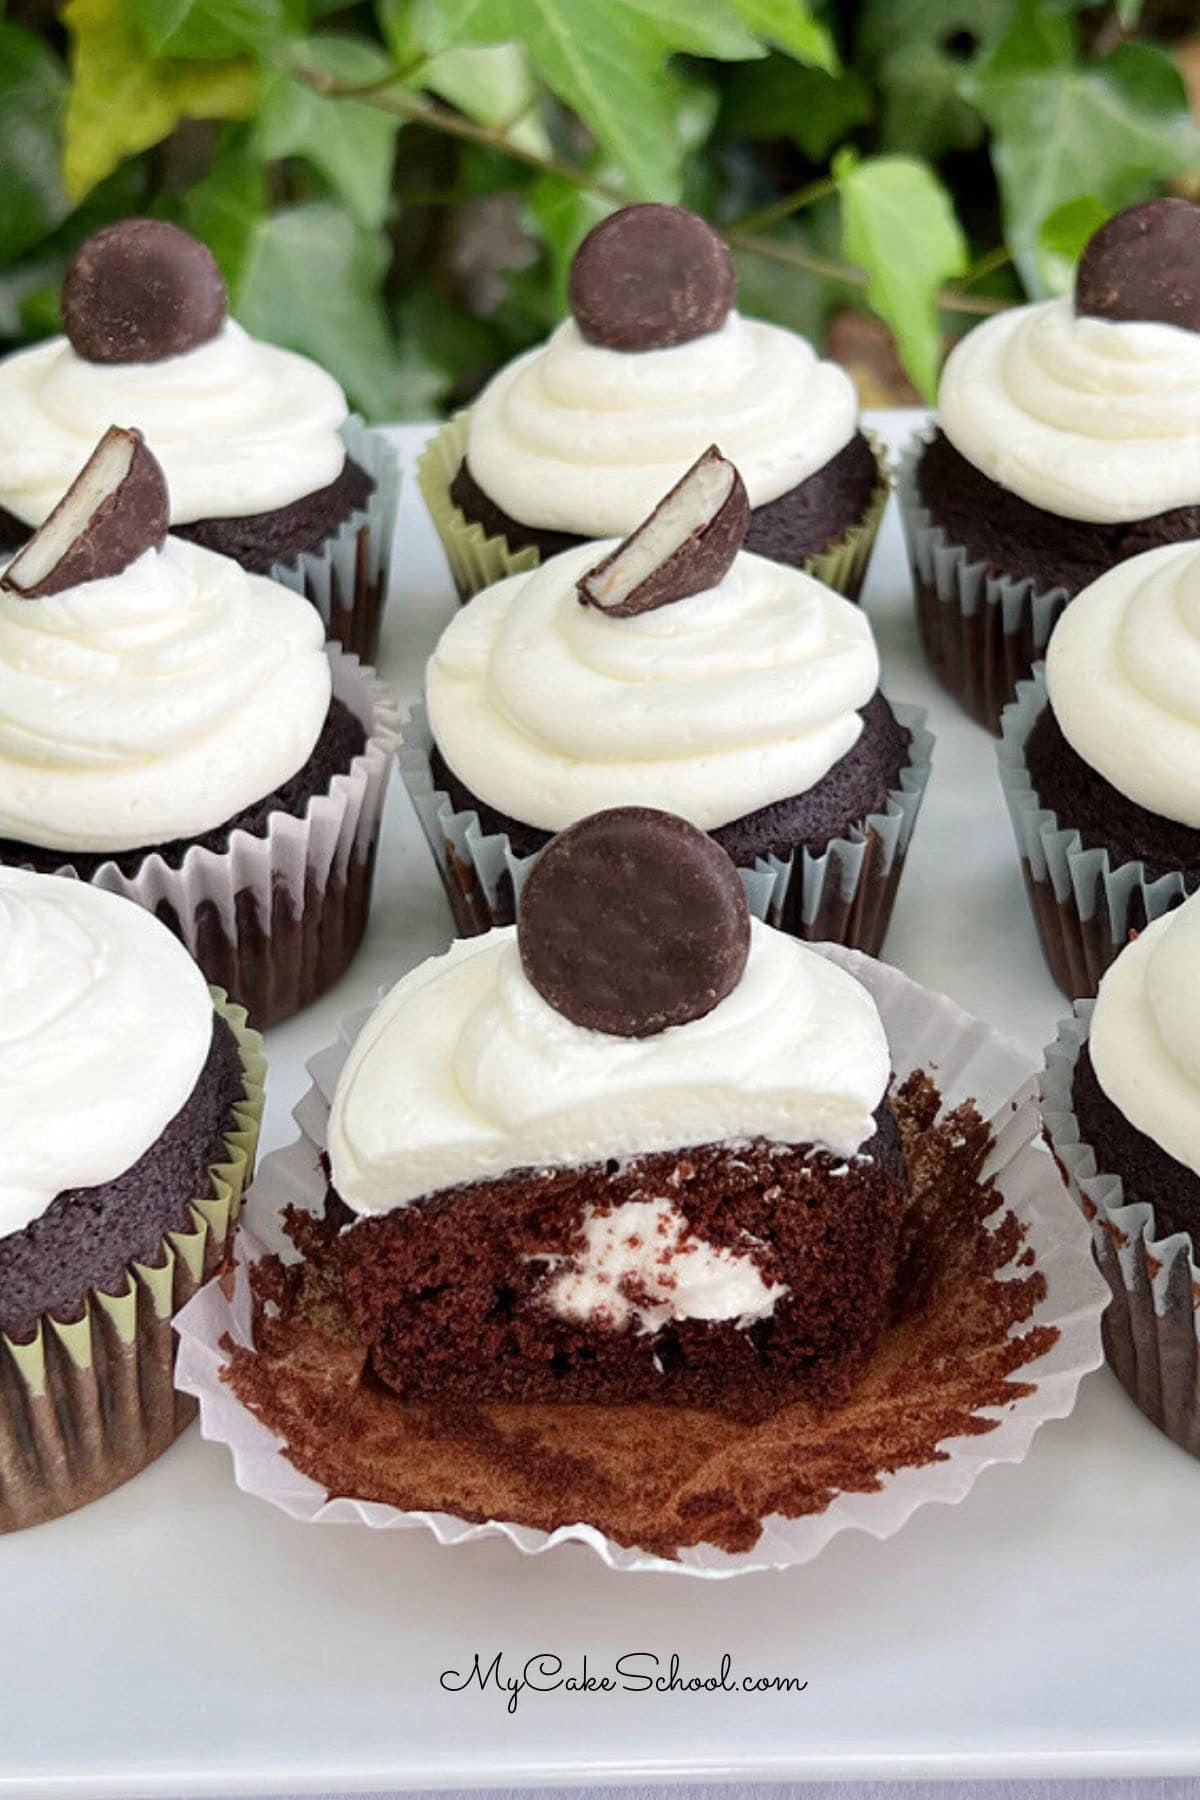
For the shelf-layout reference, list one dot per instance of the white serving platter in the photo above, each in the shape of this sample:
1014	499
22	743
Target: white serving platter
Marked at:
180	1639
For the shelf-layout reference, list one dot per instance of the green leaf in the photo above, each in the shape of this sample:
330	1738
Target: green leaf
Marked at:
227	205
32	90
350	143
899	225
312	281
1115	129
1067	229
918	51
790	26
779	99
208	28
562	215
495	85
122	101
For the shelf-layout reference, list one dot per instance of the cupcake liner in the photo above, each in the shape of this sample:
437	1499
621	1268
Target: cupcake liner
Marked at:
1085	907
275	920
926	1031
347	578
843	896
476	560
982	631
85	1405
1152	1327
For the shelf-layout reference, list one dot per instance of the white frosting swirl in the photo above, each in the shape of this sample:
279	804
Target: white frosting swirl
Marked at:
1123	675
465	1072
155	704
105	1025
576	437
711	707
1145	1033
239	426
1092	419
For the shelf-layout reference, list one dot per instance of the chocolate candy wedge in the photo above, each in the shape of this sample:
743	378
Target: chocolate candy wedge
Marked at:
686	545
632	921
1144	263
649	277
116	508
142	290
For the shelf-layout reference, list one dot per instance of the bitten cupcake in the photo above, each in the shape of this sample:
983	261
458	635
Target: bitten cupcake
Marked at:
679	670
1121	1098
1100	761
578	438
130	1100
1067	441
262	461
176	730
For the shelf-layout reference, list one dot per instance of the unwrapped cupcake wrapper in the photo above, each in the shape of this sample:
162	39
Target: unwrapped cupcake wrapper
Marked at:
982	630
347	578
1086	908
1152	1328
926	1031
476	560
85	1405
275	920
844	896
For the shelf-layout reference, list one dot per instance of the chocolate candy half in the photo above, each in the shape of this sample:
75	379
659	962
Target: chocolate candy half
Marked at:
632	921
142	290
686	545
648	277
115	510
1144	263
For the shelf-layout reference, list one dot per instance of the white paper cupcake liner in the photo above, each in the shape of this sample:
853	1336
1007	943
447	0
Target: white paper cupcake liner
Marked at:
926	1031
275	920
982	631
844	896
1152	1328
347	579
1085	906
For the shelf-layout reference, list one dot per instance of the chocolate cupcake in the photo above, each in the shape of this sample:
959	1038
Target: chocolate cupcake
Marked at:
1100	761
577	438
263	462
673	669
1121	1098
1066	443
176	730
130	1099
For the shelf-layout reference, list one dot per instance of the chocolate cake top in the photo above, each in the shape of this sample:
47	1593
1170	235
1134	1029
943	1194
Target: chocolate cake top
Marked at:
1144	263
649	277
115	510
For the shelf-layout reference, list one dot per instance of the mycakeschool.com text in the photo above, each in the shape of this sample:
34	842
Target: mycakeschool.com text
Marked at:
633	1672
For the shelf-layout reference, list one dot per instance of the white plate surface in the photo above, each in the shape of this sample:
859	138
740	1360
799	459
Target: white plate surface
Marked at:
179	1638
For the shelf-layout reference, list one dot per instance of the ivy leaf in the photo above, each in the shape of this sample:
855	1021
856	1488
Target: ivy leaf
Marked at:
208	28
312	280
1115	129
779	99
350	143
899	225
790	26
226	207
1067	229
562	214
917	51
122	101
32	89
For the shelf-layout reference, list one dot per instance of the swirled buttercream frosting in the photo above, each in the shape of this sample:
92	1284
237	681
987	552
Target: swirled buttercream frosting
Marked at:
155	704
239	426
575	437
712	707
105	1025
1092	419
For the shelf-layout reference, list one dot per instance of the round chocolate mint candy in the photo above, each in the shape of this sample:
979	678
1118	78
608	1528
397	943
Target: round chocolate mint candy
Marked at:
648	277
1144	263
142	290
632	921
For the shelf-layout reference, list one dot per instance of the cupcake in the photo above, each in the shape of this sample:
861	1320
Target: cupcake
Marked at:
1121	1097
680	670
1100	762
577	438
130	1099
176	730
1066	443
262	461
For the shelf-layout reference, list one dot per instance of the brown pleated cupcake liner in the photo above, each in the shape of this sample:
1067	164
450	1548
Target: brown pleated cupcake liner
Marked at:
1152	1327
1085	906
86	1404
843	896
476	560
276	920
347	579
982	630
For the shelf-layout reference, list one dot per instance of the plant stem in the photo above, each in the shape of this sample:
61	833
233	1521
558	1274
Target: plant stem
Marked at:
783	209
951	299
999	258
